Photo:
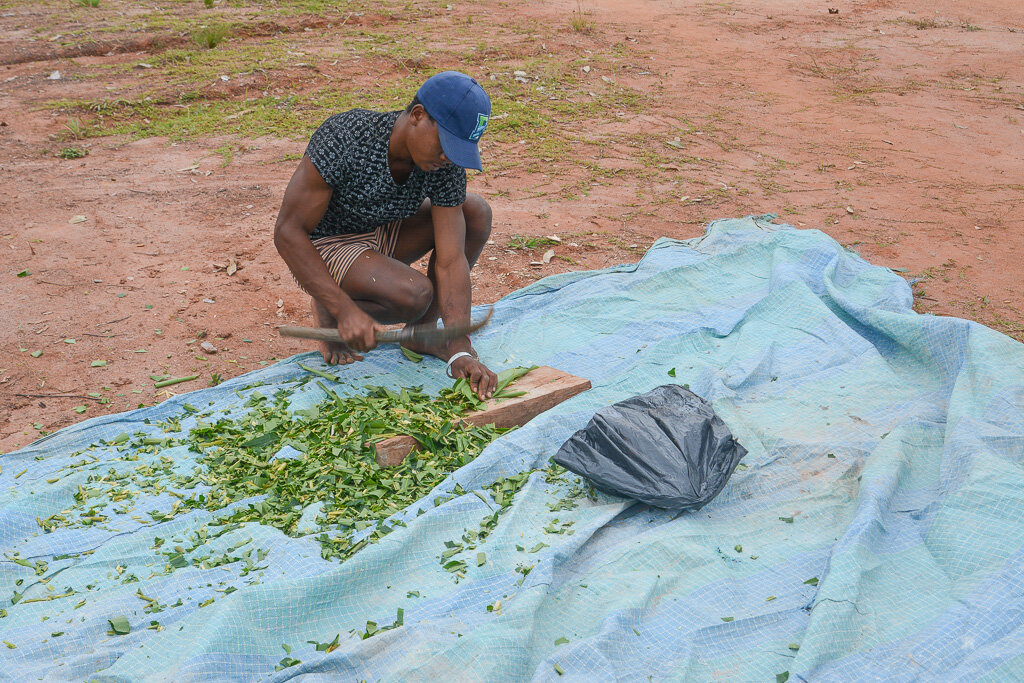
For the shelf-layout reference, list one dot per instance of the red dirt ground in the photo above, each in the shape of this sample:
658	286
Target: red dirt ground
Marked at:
895	127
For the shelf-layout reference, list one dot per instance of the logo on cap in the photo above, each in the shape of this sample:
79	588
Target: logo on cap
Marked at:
481	126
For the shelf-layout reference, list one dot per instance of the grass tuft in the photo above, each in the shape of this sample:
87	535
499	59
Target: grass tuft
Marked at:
580	22
72	153
209	37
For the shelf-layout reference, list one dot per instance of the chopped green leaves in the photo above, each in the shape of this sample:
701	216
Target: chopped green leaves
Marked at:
813	581
672	372
411	355
782	677
287	661
787	520
326	647
98	364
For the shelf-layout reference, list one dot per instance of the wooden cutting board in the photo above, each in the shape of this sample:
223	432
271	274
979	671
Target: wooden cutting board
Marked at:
545	388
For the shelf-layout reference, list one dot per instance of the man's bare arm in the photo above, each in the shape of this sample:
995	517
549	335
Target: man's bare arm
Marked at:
305	201
454	294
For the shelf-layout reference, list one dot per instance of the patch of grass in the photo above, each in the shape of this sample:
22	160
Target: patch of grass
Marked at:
580	21
75	127
72	153
227	153
923	23
210	37
89	3
521	242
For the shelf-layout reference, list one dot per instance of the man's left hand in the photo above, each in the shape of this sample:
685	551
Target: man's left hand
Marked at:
481	380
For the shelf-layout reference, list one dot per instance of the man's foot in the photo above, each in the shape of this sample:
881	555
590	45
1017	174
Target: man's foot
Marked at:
334	353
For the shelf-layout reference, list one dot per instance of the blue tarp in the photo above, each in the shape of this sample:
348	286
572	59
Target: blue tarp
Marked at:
874	530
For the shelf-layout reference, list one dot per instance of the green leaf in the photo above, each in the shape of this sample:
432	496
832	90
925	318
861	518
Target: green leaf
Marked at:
782	677
80	409
787	520
69	341
98	364
36	354
558	669
411	355
769	598
813	581
318	373
506	377
287	661
326	647
481	558
10	645
794	646
672	372
561	641
119	625
738	548
174	380
728	619
287	648
24	273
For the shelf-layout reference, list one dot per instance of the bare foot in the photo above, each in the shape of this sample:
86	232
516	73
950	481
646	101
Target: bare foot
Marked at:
334	353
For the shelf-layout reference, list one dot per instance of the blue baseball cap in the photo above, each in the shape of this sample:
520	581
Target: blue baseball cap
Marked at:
461	109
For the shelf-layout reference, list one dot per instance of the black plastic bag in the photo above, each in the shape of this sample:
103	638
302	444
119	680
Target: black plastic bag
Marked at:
666	448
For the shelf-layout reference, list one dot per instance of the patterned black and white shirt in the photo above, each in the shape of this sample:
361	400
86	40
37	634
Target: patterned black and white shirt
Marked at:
350	150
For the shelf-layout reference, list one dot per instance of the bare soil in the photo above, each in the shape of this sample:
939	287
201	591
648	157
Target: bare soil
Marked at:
895	127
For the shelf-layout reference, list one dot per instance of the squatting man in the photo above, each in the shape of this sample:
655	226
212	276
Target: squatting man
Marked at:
374	193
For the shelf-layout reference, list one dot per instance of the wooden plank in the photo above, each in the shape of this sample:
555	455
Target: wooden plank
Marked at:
545	388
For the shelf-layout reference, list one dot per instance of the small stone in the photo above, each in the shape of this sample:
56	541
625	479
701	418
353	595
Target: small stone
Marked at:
54	76
208	347
209	301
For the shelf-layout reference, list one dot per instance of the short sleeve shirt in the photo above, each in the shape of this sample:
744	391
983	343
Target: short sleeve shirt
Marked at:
350	150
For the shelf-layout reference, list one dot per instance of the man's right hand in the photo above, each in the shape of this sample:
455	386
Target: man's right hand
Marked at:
357	329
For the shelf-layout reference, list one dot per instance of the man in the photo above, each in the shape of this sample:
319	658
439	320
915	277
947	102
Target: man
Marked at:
374	193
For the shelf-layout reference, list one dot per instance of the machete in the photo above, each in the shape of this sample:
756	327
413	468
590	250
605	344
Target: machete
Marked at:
418	335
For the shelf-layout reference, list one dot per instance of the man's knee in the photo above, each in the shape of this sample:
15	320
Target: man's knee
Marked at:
478	218
413	296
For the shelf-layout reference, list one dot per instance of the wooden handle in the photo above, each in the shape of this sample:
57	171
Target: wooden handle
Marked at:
326	334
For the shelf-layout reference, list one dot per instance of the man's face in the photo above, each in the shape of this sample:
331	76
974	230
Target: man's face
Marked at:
424	143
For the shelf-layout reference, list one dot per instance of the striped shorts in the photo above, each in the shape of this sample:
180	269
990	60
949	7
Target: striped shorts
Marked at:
339	252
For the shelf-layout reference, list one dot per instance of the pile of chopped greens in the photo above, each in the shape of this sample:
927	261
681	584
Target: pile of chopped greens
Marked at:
288	461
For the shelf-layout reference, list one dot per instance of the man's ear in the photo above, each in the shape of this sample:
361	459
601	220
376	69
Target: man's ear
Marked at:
419	114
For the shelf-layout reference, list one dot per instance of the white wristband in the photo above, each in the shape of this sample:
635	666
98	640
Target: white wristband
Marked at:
460	354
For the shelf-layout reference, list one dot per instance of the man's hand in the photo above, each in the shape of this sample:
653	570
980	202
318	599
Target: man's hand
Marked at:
482	380
357	330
